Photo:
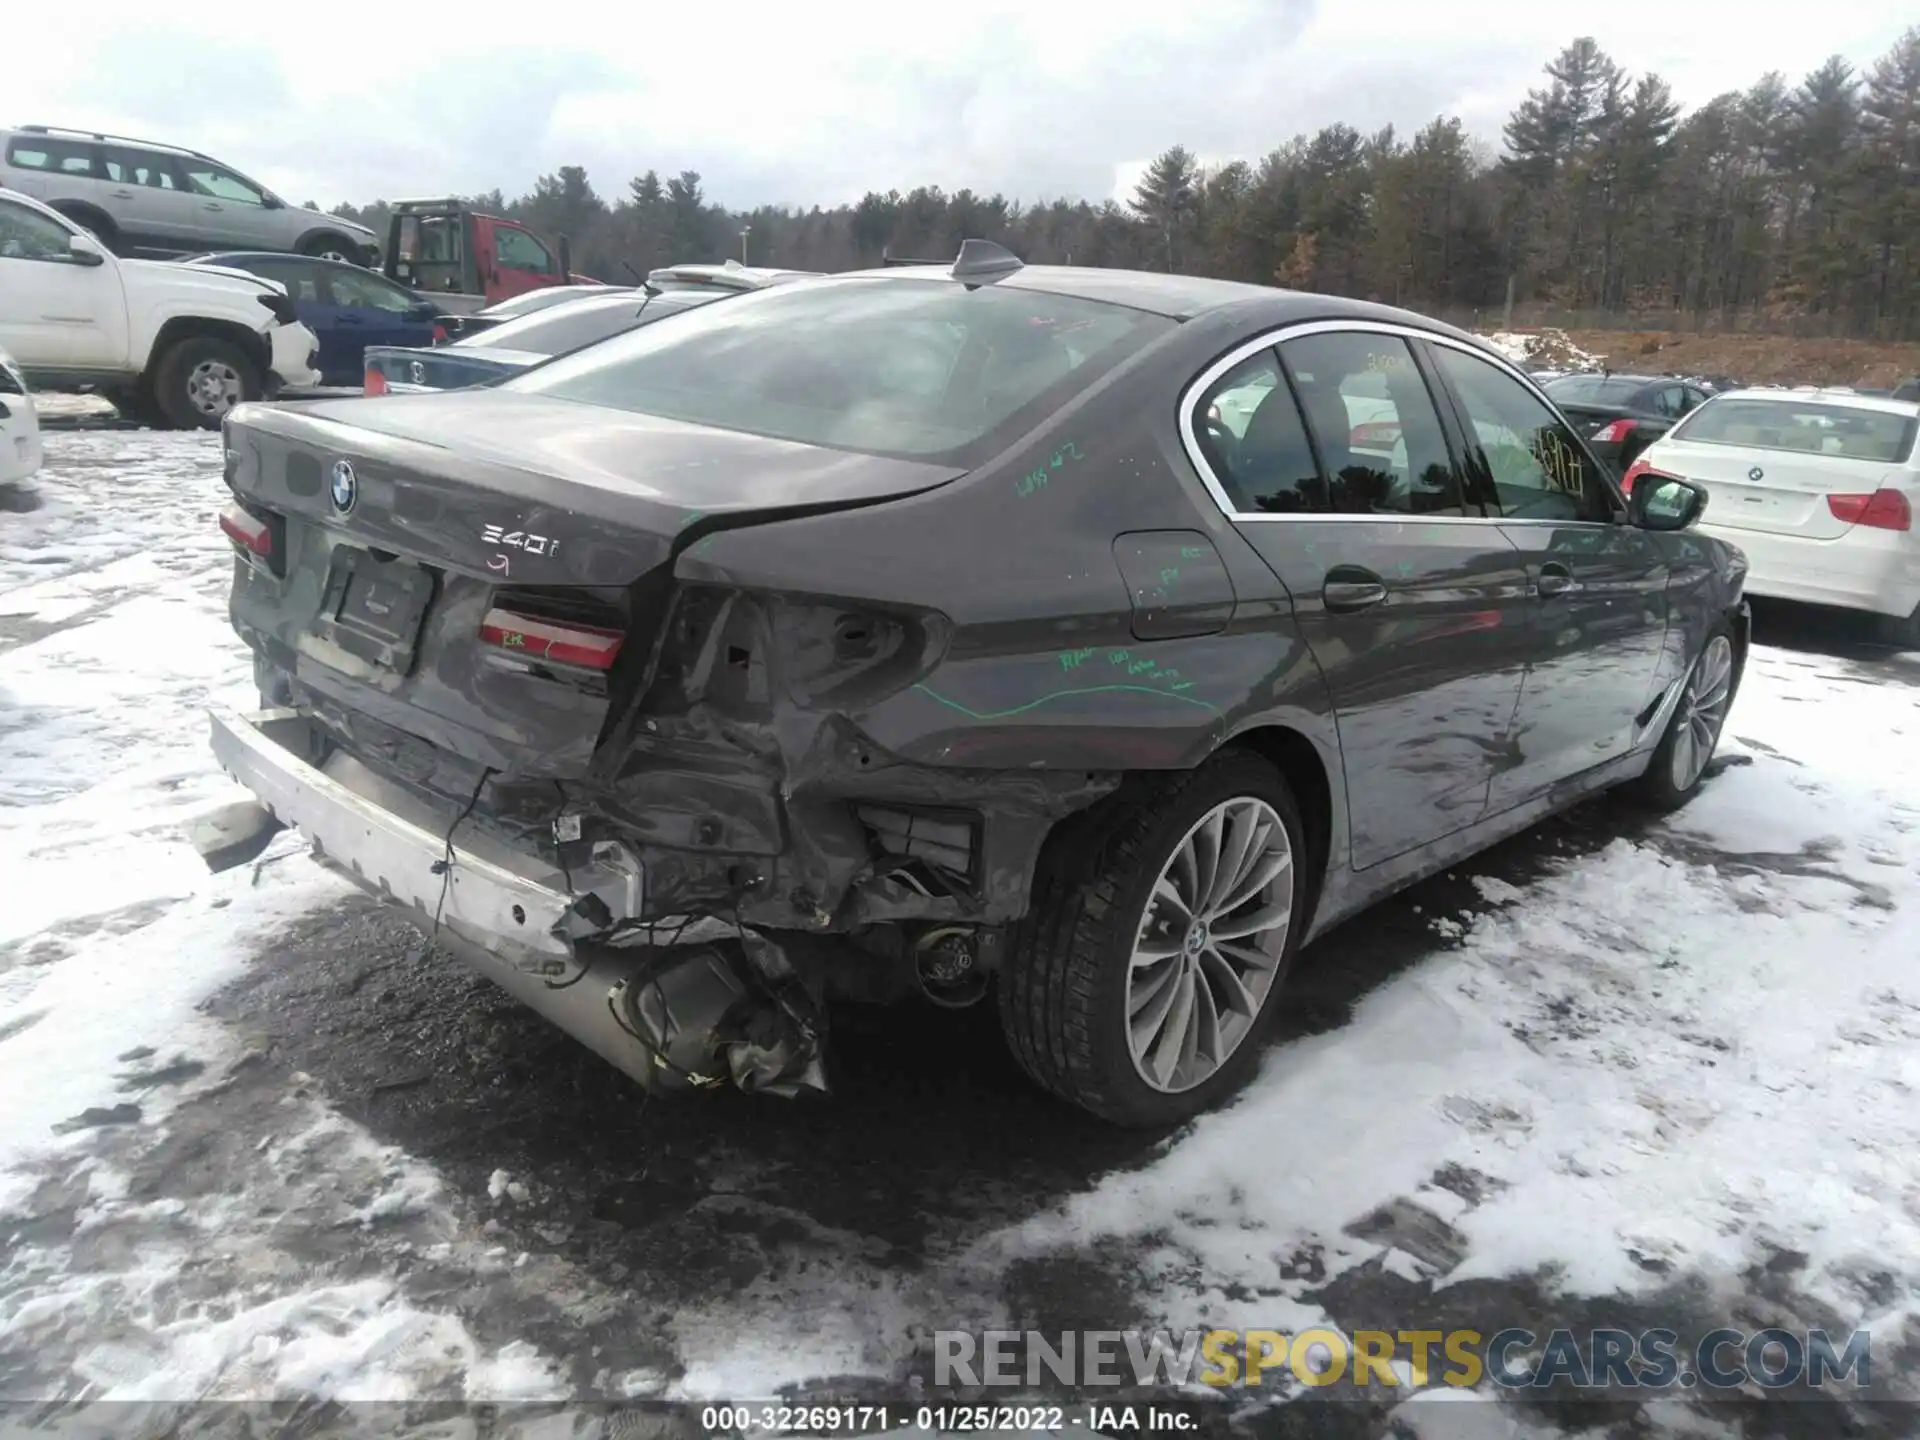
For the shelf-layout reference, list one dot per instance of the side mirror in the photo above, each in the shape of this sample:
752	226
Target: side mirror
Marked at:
85	250
1665	502
272	202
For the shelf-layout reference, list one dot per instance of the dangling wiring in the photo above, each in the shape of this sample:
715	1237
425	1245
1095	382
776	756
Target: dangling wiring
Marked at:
443	867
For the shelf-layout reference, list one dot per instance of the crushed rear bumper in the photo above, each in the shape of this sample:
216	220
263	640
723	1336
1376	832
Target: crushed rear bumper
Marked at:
514	906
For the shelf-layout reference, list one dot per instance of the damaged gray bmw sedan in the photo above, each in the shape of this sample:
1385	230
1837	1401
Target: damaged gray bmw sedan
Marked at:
1079	641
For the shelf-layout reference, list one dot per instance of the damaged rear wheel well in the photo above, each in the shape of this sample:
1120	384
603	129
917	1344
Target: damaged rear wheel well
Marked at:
1293	755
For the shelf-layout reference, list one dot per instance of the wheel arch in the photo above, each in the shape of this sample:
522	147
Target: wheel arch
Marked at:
1309	775
87	215
188	327
328	232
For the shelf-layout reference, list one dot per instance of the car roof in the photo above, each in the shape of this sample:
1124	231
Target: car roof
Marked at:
1840	399
249	257
1184	297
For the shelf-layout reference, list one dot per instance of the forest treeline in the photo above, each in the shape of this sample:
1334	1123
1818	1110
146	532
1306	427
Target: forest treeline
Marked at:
1783	205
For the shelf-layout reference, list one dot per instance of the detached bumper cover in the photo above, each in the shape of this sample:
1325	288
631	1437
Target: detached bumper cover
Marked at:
513	906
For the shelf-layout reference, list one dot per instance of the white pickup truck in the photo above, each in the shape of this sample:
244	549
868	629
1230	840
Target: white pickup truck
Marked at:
170	345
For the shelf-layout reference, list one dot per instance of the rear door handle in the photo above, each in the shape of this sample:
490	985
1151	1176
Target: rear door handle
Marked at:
1555	579
1350	588
209	205
123	194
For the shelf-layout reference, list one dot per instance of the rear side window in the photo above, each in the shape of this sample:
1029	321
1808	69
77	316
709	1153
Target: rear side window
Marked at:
1373	424
1249	428
140	167
1838	430
920	369
60	157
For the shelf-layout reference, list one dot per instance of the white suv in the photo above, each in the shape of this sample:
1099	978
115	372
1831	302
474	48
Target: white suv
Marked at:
174	345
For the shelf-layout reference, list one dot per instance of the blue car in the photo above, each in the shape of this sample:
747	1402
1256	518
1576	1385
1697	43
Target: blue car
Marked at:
347	307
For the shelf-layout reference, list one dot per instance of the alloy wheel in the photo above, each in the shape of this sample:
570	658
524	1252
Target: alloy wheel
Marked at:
1209	944
1703	710
214	387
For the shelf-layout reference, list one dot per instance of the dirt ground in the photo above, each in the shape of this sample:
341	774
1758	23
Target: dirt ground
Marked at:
1755	359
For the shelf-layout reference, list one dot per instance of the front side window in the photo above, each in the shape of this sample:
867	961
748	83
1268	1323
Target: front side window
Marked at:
1374	425
204	178
1537	469
28	235
1843	431
1670	400
845	363
60	157
1250	430
517	250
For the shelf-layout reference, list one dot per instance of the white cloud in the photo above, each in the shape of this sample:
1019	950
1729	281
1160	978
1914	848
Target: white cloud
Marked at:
822	103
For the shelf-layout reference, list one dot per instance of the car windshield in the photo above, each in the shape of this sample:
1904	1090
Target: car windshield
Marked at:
1591	390
920	369
1849	432
561	328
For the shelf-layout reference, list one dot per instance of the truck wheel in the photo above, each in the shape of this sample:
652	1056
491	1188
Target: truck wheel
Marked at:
1161	927
200	379
1901	633
1680	760
136	403
333	247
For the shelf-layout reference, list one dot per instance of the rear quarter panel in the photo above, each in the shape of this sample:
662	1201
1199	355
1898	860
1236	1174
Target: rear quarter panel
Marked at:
1046	668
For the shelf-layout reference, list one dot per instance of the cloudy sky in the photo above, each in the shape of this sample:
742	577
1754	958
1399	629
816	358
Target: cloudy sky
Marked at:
817	103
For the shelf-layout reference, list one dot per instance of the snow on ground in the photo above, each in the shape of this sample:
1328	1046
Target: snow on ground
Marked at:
1684	1055
1542	350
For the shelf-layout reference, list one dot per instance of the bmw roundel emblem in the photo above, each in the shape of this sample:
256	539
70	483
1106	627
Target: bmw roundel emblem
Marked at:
344	488
1756	474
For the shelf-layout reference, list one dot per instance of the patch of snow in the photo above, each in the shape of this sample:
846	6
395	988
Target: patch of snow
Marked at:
1705	1044
1547	349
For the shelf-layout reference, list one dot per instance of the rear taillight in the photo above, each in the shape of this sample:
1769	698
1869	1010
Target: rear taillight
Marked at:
261	535
439	334
1882	510
376	381
558	642
1613	433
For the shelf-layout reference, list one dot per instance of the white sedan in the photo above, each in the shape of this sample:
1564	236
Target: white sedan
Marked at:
1817	487
19	425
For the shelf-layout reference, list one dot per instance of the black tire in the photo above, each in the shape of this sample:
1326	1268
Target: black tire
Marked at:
1658	788
176	371
136	404
1901	634
321	247
1063	988
98	226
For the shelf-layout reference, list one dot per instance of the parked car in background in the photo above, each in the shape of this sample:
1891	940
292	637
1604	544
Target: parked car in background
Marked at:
1819	489
510	348
1620	415
466	259
173	345
458	327
143	198
779	644
347	307
730	275
19	425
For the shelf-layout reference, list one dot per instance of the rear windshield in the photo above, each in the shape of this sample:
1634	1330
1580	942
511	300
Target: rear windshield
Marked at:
562	328
921	369
1591	390
1788	424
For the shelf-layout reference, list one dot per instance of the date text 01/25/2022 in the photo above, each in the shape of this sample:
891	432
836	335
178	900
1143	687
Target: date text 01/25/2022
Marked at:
945	1419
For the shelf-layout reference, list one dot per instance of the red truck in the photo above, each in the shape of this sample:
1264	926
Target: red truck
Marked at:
467	260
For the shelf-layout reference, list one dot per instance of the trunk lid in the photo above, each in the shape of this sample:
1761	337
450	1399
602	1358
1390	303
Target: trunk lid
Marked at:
1774	492
467	579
